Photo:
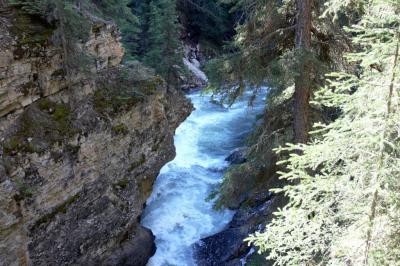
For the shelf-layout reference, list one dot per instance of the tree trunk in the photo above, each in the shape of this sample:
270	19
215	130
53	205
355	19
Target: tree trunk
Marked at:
303	79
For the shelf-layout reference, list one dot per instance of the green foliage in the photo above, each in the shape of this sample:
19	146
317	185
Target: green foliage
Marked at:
263	49
141	9
40	127
25	191
164	52
343	188
237	180
263	37
207	21
120	129
34	7
62	208
121	88
137	163
68	26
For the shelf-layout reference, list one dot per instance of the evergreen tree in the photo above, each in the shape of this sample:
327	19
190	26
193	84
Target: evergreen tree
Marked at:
208	22
282	44
267	52
141	9
303	82
344	206
164	53
72	28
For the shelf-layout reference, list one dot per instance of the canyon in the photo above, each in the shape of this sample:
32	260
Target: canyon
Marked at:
78	164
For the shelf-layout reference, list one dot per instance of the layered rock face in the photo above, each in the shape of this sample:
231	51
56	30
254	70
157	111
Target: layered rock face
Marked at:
31	69
79	156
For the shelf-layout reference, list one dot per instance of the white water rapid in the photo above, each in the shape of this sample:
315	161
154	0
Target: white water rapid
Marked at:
177	211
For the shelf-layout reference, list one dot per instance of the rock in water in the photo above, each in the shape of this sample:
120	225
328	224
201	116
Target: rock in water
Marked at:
141	245
238	156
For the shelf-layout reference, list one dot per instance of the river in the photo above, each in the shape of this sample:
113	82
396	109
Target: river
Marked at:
177	211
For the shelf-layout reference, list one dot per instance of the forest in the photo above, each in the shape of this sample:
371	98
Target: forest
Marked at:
324	153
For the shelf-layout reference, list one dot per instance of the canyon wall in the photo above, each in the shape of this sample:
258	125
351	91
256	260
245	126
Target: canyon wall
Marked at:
79	153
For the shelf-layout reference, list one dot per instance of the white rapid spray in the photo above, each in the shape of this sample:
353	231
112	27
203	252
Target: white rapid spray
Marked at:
177	211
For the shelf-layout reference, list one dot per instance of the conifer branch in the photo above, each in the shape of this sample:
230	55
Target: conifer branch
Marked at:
374	203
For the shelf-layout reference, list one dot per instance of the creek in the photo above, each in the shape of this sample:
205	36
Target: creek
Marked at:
177	212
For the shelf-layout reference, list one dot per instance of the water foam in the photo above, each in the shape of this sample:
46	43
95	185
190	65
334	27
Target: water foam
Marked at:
177	211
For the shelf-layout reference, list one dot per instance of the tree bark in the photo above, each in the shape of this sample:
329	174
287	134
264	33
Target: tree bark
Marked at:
303	79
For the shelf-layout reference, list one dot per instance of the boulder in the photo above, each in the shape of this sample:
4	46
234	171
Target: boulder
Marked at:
135	251
220	248
237	156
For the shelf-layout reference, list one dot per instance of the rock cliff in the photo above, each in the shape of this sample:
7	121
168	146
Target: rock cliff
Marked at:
78	155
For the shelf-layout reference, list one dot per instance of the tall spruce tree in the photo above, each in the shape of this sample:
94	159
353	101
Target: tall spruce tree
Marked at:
344	206
164	52
276	45
208	22
303	81
141	9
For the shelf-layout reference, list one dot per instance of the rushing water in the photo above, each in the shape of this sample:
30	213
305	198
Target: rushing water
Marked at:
177	211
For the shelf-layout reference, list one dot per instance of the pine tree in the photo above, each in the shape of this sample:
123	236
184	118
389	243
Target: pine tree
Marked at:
142	10
208	22
303	81
267	52
164	53
344	206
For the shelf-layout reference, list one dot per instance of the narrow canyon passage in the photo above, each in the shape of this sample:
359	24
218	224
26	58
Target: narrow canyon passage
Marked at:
177	211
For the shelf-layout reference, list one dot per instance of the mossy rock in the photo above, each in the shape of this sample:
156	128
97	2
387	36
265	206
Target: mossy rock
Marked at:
237	183
111	102
39	127
122	88
96	28
146	187
25	191
120	129
15	144
137	163
122	184
32	31
62	208
26	88
58	74
61	113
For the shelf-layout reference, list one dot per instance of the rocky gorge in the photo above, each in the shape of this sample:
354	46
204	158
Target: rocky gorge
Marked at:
79	152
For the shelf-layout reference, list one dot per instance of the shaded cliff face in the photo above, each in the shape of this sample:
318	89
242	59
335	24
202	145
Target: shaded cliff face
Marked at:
78	159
